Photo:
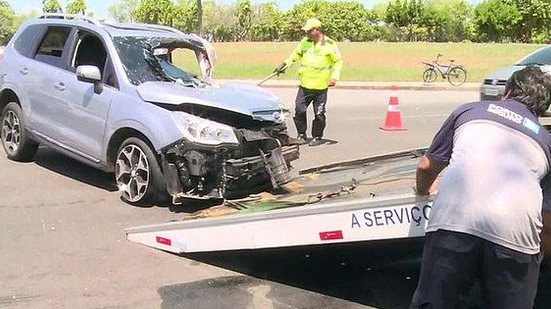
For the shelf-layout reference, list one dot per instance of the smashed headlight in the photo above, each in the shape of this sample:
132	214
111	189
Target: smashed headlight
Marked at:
275	116
204	131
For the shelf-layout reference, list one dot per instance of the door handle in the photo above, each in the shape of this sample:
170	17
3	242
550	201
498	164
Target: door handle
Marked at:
24	71
60	86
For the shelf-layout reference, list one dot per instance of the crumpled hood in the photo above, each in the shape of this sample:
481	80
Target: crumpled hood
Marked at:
237	97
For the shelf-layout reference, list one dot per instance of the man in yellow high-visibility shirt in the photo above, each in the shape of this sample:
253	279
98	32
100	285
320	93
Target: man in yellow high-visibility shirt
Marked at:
321	64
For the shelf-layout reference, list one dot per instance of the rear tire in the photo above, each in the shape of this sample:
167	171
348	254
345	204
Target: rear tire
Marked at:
138	174
15	139
429	75
457	76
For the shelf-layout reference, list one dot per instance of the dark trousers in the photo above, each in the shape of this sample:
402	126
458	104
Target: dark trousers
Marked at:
452	262
303	100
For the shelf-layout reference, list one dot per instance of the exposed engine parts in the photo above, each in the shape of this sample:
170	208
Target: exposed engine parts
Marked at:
193	172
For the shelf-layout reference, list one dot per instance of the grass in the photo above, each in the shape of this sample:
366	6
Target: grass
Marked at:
364	61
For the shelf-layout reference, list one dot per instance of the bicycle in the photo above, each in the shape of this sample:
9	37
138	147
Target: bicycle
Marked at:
456	74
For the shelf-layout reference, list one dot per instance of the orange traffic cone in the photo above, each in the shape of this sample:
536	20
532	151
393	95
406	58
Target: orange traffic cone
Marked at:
393	120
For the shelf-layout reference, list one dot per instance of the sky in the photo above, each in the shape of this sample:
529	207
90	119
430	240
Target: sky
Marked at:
100	7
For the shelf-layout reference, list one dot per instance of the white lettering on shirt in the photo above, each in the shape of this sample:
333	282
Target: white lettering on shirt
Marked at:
505	113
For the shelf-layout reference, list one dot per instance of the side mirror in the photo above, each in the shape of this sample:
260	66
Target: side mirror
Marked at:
90	74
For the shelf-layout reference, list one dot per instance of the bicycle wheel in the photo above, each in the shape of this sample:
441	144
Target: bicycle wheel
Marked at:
457	76
429	75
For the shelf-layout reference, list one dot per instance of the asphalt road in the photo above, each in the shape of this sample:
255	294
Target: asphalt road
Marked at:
62	242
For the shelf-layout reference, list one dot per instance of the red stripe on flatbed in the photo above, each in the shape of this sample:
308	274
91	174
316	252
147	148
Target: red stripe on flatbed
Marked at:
164	241
331	235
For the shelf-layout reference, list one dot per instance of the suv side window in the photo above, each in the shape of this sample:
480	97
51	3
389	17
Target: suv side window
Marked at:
51	48
90	50
26	42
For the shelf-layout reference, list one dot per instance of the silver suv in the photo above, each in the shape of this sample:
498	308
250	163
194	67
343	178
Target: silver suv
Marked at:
109	95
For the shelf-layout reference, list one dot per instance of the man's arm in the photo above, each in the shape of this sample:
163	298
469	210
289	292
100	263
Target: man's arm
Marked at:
427	171
295	56
336	57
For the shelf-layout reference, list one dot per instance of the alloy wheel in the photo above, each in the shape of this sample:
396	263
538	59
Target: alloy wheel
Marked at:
11	132
132	173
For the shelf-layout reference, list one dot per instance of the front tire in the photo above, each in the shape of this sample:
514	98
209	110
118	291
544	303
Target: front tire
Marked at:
15	140
138	175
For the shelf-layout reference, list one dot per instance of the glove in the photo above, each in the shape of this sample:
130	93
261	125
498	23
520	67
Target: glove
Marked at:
280	69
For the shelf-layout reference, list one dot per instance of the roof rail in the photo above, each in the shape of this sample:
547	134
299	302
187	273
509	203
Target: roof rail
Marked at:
70	16
165	28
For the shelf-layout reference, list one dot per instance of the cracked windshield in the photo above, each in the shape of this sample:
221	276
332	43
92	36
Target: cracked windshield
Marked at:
145	60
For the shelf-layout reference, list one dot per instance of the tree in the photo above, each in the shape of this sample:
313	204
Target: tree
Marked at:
497	20
341	20
122	11
76	7
535	17
51	6
218	21
7	27
461	25
446	20
267	22
244	20
294	19
187	18
161	12
405	17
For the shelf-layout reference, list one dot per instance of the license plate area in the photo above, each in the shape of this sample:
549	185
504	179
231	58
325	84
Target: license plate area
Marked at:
491	92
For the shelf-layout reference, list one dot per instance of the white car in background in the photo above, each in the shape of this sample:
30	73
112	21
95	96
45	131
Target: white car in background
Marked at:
493	86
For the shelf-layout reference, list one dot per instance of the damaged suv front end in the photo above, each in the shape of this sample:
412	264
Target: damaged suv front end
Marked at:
234	138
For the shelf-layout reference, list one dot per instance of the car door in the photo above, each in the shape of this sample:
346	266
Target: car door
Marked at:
46	84
88	111
19	69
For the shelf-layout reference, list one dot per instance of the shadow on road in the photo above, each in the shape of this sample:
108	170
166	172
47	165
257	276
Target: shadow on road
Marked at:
379	274
63	165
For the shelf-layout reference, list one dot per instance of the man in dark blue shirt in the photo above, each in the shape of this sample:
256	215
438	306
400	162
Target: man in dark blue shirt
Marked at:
486	220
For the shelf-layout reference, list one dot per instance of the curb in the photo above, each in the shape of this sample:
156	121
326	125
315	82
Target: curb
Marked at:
388	87
438	86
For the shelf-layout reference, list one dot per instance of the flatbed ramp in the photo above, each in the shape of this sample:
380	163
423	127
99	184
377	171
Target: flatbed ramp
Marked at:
361	200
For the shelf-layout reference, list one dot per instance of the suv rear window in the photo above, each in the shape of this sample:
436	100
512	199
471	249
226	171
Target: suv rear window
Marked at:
27	40
51	47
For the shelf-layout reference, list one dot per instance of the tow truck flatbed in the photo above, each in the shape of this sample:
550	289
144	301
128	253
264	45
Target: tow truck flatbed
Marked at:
354	201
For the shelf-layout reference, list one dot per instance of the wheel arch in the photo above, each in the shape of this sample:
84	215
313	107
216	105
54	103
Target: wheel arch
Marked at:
7	96
118	138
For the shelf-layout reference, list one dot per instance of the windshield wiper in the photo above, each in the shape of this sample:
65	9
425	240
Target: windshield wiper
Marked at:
187	83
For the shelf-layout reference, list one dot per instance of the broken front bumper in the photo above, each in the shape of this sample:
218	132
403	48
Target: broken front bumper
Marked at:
197	174
273	165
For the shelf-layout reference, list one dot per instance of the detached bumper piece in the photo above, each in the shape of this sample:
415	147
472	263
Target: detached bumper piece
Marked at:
206	174
254	174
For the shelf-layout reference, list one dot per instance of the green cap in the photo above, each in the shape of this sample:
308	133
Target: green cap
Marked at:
311	24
